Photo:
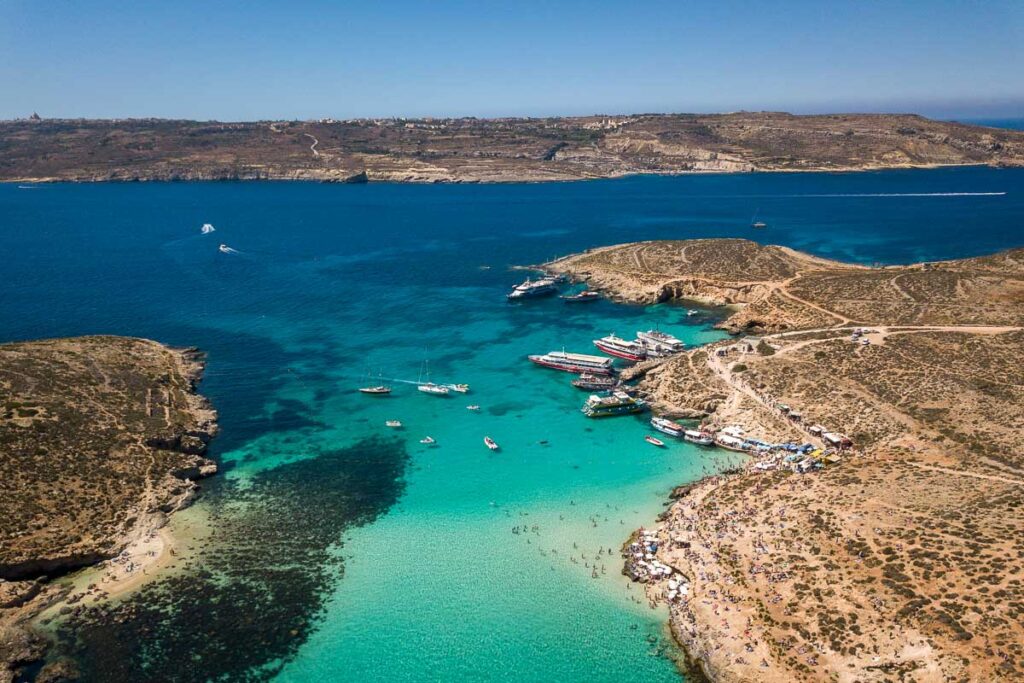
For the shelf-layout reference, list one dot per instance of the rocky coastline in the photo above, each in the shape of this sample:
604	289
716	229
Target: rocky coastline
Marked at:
867	569
118	417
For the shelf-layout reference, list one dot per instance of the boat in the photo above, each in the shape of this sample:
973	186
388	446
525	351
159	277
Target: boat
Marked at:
591	382
699	438
582	297
394	424
473	407
754	223
690	312
380	390
432	389
667	426
729	442
621	348
660	343
225	249
654	442
207	229
578	363
428	440
531	289
429	387
461	388
613	403
491	443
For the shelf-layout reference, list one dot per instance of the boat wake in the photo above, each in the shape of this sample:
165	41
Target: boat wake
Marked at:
225	249
907	194
207	228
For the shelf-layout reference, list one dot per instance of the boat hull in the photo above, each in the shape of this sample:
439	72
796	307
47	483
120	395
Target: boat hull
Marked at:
619	353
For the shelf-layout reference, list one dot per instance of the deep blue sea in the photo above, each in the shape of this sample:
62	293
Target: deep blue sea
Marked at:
333	548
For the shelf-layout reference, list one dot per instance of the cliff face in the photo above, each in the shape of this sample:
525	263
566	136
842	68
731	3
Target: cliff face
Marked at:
489	150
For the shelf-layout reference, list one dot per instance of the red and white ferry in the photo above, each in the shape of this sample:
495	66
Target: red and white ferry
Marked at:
621	348
578	363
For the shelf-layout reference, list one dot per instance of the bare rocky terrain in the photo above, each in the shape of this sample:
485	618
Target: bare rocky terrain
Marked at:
901	562
489	150
101	438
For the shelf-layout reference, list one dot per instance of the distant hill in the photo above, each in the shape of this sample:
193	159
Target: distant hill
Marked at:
490	150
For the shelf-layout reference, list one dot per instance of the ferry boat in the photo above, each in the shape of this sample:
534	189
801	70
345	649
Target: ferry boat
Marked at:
578	363
433	389
591	382
660	342
654	442
380	390
667	426
621	348
491	443
699	438
582	297
615	403
531	289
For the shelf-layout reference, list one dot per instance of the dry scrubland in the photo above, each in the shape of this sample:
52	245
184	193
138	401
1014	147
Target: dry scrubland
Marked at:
490	150
902	562
100	437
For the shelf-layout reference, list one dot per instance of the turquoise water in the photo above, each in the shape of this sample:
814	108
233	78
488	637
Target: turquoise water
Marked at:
326	573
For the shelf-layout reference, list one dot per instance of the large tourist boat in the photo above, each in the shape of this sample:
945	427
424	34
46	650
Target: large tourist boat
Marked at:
531	289
615	403
621	348
589	382
660	343
667	426
578	363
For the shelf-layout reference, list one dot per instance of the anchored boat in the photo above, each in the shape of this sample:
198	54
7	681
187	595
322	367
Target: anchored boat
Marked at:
621	348
531	289
491	443
380	390
654	442
394	424
578	363
699	438
667	426
615	403
590	382
433	389
582	297
660	343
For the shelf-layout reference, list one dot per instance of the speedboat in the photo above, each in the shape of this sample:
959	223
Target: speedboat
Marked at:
667	426
428	440
491	443
461	388
582	297
433	389
380	390
654	442
394	424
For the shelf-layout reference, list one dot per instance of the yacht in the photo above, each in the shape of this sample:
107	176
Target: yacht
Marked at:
531	289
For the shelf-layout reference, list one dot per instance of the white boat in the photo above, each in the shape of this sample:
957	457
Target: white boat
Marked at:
654	442
394	424
491	443
461	388
207	228
660	343
667	426
473	407
621	348
699	438
533	288
428	440
433	389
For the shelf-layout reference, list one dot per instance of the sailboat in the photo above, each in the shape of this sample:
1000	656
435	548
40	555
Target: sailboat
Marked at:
377	390
429	387
754	223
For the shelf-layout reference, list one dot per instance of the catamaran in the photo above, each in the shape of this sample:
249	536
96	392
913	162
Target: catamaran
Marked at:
574	362
617	346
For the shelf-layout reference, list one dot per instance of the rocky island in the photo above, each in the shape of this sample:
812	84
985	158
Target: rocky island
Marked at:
101	439
489	150
900	559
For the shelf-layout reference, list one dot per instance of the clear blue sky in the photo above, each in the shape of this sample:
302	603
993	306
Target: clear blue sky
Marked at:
249	60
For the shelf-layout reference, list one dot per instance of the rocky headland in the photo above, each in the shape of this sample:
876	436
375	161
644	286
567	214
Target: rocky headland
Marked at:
489	150
900	560
102	438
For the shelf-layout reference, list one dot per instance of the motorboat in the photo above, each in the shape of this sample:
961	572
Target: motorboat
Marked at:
491	443
654	442
394	424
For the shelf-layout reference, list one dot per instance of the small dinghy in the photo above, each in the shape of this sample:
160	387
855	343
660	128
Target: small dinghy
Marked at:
428	440
394	424
461	388
654	442
473	407
491	443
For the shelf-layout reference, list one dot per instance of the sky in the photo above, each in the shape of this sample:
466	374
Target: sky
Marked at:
298	60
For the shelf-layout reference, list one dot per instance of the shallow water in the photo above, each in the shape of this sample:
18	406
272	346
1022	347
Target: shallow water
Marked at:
331	283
